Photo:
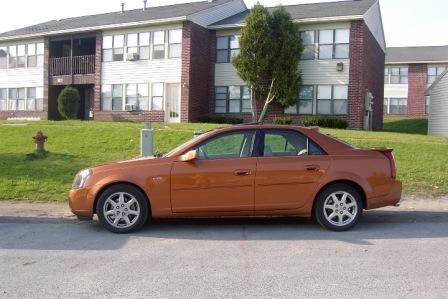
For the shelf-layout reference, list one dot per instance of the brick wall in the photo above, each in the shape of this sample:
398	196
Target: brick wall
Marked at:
196	71
416	89
366	74
97	76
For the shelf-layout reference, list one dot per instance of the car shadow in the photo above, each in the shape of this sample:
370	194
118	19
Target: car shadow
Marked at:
41	233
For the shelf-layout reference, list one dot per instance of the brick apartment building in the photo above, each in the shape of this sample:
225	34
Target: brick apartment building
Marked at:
409	72
172	63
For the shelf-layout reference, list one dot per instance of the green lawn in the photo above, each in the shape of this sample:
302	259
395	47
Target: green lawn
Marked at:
422	161
406	125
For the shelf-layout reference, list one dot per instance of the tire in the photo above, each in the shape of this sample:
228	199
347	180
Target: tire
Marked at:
338	207
123	201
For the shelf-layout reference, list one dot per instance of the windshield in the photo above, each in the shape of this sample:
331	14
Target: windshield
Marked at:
186	144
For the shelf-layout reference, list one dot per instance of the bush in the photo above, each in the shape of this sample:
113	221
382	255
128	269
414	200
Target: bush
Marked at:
68	102
283	120
213	119
325	122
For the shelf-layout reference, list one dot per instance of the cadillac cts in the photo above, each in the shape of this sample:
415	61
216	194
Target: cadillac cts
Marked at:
242	171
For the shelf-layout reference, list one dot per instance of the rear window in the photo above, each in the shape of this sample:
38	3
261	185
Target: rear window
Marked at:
340	141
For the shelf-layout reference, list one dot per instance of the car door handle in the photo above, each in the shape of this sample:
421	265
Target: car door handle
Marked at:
242	172
312	167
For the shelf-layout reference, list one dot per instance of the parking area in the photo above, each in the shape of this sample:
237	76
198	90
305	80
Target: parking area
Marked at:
393	252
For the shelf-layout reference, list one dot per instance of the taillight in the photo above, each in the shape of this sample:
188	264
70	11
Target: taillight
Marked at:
390	156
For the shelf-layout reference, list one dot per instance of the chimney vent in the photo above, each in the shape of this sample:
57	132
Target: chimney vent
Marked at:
145	4
122	7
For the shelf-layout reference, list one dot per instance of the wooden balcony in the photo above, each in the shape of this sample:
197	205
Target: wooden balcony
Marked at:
76	65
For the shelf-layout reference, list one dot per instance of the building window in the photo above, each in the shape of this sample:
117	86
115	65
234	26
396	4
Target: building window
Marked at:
304	103
386	75
113	48
157	95
434	72
112	97
226	48
138	44
309	50
34	101
232	99
3	99
332	99
427	103
334	44
137	95
175	43
3	57
396	106
396	75
16	99
12	50
159	45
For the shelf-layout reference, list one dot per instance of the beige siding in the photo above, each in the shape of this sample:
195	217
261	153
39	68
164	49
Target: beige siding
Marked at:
23	77
218	13
314	72
396	91
163	70
324	71
438	110
225	75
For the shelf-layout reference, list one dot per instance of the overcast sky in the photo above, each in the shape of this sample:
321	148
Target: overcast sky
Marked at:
406	22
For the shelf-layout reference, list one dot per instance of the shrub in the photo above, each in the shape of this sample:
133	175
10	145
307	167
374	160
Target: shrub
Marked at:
214	119
68	102
325	122
283	120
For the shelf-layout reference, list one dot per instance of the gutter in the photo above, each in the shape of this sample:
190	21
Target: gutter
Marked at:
299	21
95	28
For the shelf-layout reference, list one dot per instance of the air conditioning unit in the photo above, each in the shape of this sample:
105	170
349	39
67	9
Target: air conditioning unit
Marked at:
132	57
130	107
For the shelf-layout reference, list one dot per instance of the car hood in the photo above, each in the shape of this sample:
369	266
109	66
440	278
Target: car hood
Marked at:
139	161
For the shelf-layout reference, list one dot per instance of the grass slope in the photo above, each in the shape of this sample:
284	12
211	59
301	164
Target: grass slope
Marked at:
422	160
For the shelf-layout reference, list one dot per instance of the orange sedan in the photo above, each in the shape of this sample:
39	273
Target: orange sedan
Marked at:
242	171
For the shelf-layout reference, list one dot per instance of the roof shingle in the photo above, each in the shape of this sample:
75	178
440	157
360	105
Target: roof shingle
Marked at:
129	16
312	10
417	54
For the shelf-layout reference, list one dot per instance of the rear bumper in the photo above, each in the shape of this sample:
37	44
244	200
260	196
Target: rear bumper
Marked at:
390	199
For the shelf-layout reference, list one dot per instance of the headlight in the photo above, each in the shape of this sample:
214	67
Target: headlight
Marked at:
81	178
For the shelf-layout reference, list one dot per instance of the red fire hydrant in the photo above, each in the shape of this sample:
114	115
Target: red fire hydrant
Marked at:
39	140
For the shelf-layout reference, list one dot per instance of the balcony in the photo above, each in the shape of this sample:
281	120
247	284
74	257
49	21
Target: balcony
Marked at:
76	65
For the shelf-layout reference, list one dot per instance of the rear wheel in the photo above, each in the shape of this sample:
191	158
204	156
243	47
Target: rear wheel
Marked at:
338	207
122	209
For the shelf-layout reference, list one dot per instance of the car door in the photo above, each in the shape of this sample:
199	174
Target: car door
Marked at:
288	171
222	177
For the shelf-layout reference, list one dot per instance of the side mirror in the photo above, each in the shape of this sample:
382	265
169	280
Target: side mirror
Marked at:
189	156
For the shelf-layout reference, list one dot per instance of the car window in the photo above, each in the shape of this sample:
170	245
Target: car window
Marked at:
288	143
228	146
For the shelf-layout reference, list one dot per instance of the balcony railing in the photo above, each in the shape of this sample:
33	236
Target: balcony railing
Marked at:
78	65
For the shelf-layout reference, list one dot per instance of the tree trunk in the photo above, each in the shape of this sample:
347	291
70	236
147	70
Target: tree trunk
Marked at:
263	112
253	103
269	99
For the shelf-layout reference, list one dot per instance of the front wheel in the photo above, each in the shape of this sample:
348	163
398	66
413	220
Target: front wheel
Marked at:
122	209
338	207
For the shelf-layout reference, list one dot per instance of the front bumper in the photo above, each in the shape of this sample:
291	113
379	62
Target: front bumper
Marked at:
390	199
81	202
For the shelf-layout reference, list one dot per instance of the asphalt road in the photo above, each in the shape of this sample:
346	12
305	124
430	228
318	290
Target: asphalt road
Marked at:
393	252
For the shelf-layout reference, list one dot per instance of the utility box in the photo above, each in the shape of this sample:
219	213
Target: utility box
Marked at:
147	141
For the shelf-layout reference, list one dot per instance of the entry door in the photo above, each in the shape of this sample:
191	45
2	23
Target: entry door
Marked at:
288	172
221	179
172	109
